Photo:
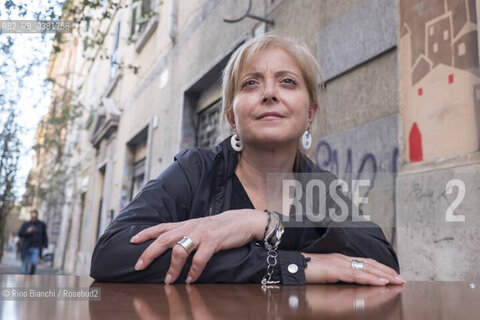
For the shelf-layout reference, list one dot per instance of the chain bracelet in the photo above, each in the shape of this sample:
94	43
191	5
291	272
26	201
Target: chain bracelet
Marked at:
267	238
272	254
269	213
272	260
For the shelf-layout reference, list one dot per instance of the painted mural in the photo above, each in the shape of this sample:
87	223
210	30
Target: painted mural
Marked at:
440	78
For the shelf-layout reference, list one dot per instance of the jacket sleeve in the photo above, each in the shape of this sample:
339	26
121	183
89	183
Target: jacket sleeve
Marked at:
167	199
23	230
365	240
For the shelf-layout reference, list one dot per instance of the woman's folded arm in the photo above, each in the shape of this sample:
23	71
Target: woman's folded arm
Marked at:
161	201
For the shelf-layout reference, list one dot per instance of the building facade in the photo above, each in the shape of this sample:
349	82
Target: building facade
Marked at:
400	108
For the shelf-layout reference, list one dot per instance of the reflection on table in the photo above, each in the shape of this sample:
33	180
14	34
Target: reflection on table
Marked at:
251	302
415	300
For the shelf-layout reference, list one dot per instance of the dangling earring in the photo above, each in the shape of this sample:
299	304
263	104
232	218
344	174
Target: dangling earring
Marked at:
236	143
307	139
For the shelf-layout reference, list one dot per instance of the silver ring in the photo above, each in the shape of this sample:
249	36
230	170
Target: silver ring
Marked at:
358	265
187	244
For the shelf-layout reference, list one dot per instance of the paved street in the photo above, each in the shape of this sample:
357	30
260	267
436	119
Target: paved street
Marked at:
10	265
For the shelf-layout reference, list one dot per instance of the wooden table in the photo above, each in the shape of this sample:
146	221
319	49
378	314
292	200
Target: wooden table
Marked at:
415	300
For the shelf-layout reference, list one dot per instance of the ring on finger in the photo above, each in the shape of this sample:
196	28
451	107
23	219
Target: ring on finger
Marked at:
358	265
187	244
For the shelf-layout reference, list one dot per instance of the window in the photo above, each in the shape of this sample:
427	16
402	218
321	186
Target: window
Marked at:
202	124
461	49
100	185
135	170
142	11
93	94
208	125
114	59
87	24
80	221
138	177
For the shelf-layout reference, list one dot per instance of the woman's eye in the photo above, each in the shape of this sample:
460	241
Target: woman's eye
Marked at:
289	81
248	83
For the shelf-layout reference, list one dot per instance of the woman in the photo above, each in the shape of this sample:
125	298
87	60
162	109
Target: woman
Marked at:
214	200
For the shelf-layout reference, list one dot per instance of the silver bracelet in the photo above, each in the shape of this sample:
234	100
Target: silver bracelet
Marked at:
271	263
277	231
266	240
272	253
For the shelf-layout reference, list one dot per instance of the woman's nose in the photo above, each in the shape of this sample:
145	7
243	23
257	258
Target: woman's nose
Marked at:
270	93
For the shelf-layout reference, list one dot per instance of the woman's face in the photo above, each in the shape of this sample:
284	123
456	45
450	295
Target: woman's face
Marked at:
271	104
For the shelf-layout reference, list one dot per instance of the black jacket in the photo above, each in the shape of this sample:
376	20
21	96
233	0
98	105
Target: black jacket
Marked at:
198	184
36	239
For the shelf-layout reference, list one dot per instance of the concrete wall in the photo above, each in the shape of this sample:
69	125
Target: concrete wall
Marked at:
437	227
356	132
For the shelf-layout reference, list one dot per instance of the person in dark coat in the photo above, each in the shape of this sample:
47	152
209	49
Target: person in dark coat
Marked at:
214	217
33	235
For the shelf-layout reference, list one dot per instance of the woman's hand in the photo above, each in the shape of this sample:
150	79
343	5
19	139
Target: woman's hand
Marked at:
335	267
230	229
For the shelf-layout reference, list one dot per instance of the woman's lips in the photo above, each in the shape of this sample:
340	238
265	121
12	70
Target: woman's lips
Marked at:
270	116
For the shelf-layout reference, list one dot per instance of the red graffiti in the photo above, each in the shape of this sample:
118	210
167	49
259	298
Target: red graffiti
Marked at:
420	91
415	141
450	78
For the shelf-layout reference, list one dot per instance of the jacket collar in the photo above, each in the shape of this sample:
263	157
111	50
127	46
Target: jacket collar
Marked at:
226	159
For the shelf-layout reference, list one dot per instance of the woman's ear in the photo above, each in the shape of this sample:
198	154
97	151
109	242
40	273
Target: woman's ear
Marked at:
312	111
231	118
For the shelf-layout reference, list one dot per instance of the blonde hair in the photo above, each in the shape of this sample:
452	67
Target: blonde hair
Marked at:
297	50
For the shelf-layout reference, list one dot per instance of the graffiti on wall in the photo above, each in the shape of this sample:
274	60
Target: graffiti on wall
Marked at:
342	165
367	152
440	77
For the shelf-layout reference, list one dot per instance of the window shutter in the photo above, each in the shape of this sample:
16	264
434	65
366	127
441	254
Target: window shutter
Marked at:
133	26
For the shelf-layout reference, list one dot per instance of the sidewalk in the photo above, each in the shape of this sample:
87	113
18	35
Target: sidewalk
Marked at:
10	265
